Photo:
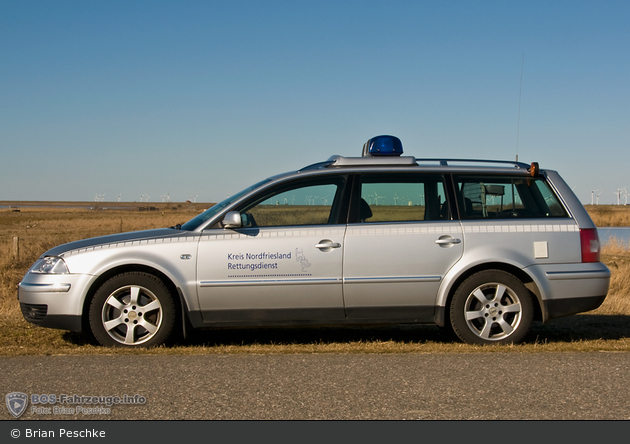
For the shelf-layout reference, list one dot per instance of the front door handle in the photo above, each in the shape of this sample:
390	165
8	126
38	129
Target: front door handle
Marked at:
327	245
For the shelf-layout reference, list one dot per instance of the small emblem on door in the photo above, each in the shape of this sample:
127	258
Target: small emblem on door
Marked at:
299	256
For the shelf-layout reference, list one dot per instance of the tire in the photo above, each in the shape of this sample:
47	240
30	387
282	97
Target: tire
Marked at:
491	307
132	310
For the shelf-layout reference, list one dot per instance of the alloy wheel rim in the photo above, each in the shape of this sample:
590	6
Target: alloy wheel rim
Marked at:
493	311
131	315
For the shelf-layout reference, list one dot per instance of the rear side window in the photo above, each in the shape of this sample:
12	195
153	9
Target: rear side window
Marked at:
506	197
402	198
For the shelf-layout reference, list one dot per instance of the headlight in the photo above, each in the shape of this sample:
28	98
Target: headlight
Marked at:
50	265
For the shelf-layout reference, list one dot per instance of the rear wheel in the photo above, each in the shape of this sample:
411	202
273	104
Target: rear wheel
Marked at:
491	307
132	310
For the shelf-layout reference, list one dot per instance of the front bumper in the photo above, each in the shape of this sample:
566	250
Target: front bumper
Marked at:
54	301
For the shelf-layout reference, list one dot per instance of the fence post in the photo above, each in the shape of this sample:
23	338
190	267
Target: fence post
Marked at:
16	247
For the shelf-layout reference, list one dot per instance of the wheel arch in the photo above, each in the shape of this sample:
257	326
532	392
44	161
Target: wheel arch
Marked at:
519	273
180	303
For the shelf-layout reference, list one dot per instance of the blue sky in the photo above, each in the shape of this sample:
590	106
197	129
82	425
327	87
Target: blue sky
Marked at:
203	98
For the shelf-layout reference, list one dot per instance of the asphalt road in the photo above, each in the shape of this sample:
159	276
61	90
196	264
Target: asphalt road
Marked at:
483	386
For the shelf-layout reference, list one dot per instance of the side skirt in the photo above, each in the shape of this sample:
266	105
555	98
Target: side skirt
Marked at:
312	317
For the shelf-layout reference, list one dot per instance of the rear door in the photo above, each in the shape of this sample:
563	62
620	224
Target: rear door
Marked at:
399	247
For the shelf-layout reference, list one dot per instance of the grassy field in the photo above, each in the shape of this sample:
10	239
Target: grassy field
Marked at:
39	228
610	215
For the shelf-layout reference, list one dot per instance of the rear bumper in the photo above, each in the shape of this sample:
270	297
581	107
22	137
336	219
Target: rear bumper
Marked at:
568	289
556	308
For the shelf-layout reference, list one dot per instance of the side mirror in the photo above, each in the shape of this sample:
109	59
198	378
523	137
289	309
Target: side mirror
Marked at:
232	219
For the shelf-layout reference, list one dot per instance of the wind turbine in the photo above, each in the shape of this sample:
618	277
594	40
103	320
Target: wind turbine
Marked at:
618	193
592	193
598	197
377	197
119	197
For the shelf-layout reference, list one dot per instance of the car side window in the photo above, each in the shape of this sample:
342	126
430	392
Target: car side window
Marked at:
301	204
402	198
496	197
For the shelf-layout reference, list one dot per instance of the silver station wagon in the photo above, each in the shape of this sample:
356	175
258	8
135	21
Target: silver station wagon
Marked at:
480	247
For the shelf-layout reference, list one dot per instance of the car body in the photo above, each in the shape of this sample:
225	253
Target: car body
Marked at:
482	247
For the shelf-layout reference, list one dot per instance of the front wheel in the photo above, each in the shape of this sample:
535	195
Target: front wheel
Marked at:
133	310
491	307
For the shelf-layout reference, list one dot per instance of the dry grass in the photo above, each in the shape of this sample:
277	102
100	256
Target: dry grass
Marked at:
606	328
616	256
276	215
609	215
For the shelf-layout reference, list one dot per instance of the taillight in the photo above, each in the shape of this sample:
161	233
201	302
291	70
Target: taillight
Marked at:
590	245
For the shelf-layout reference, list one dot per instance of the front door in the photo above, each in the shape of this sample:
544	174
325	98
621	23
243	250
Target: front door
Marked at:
285	263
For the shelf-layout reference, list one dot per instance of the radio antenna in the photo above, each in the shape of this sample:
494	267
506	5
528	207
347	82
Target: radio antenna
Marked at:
518	119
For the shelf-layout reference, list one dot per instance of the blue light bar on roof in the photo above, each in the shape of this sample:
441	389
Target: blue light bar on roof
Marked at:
383	146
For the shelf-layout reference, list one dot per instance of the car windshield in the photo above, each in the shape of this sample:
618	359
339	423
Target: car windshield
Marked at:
211	212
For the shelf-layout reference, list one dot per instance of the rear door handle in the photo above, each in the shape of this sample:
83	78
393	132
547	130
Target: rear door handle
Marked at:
447	240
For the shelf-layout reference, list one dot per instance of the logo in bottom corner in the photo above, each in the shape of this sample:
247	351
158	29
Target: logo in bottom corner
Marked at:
16	403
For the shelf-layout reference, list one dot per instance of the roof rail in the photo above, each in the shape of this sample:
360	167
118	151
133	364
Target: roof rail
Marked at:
371	161
445	162
340	161
317	165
